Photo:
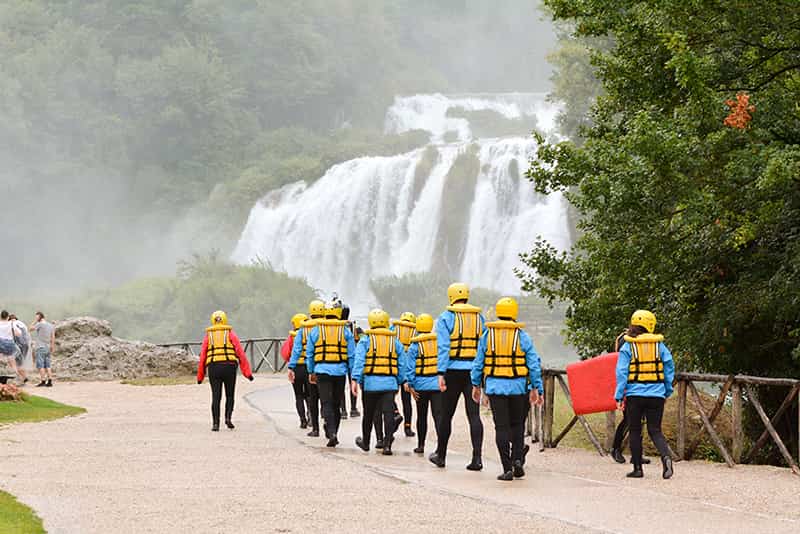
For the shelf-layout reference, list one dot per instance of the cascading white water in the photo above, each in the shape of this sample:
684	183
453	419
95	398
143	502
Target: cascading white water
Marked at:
371	217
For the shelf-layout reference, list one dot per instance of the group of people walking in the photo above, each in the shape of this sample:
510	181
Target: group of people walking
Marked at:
17	339
436	363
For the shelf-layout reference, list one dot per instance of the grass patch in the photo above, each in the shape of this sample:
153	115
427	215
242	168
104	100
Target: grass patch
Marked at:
161	381
16	518
33	409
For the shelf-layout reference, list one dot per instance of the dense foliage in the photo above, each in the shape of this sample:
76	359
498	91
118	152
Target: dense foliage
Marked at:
120	117
687	182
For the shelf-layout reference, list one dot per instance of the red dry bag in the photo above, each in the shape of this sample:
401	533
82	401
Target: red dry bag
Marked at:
592	384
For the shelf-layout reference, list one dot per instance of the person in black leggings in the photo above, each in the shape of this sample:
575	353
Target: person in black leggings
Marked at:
458	331
221	355
422	378
298	371
622	427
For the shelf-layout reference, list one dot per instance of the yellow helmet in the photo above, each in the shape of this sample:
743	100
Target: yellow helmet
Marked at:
644	318
424	323
316	308
333	309
298	319
378	319
219	317
507	308
457	291
408	317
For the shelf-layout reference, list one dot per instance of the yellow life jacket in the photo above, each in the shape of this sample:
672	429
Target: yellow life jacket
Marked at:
504	355
466	332
405	331
427	354
220	348
381	357
331	346
646	366
305	328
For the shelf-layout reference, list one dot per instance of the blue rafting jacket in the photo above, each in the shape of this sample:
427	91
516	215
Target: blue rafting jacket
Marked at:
509	386
660	389
331	369
297	348
444	327
420	383
378	382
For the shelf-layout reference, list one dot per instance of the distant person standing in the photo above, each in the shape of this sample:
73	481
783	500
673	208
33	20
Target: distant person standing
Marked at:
23	342
43	335
8	348
221	354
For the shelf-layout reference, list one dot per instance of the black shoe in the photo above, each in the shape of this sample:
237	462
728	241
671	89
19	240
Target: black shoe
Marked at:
314	433
332	442
344	415
229	424
361	445
387	447
354	413
41	384
525	450
420	450
398	420
519	472
215	427
379	444
303	423
476	464
636	473
668	471
507	476
25	381
49	383
409	432
435	460
616	454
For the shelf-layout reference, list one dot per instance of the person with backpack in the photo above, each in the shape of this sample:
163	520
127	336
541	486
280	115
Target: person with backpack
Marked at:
508	363
221	355
645	372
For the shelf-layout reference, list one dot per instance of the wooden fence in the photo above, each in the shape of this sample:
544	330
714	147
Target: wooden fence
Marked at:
735	389
262	352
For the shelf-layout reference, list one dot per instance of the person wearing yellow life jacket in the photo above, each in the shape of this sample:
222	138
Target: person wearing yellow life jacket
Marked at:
622	427
379	370
422	377
298	370
645	372
458	331
221	354
406	329
299	386
508	363
329	352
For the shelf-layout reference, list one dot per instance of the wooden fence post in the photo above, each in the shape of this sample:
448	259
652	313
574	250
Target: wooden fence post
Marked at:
549	398
736	423
682	419
611	427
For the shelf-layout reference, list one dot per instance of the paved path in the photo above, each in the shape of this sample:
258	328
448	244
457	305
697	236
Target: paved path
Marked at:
143	460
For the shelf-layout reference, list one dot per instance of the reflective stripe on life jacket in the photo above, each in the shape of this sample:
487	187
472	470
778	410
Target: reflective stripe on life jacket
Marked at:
646	366
331	346
220	349
405	331
427	354
381	358
504	355
466	332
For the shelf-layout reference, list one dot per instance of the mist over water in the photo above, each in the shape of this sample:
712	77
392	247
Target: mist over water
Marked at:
377	216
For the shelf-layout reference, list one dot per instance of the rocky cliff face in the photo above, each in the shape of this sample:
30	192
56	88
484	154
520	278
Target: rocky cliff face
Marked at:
86	350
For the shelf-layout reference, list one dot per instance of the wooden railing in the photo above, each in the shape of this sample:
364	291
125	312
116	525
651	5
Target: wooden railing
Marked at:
735	389
265	351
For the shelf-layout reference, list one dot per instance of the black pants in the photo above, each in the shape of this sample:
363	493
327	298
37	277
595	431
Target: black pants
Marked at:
306	396
382	404
509	413
652	409
408	412
434	400
220	374
331	395
459	384
622	427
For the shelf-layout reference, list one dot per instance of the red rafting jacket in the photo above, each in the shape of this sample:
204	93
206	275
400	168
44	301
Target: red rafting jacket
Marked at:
244	363
286	348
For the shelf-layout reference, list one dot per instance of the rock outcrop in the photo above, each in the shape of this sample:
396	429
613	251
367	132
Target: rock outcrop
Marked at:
86	350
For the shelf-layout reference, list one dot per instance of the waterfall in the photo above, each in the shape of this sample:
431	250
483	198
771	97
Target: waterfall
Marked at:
377	216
